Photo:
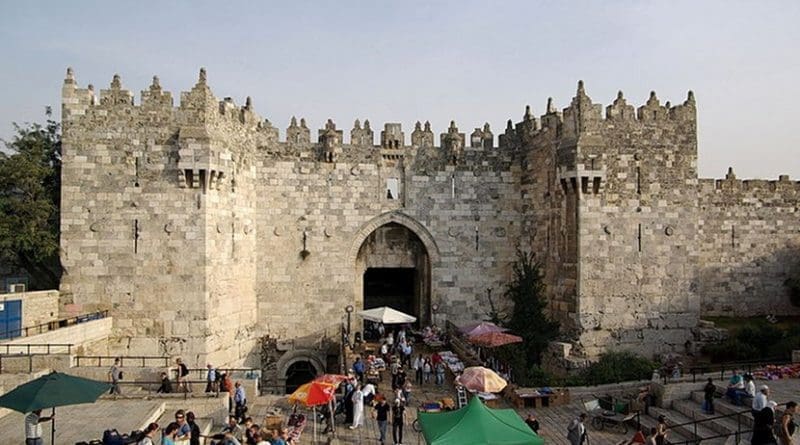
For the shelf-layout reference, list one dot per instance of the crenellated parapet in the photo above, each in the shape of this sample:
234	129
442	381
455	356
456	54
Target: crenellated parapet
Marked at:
749	191
482	137
298	134
362	137
330	140
155	97
422	138
452	143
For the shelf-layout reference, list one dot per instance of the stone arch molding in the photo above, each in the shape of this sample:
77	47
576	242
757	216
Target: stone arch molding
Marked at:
299	355
399	218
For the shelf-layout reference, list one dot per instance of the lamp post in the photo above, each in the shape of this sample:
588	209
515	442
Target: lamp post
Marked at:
346	337
349	309
434	309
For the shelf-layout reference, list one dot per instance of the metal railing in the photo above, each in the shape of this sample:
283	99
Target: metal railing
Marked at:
29	351
131	361
52	325
694	423
36	349
747	366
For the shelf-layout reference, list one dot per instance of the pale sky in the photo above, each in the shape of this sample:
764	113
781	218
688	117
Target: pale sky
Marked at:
403	61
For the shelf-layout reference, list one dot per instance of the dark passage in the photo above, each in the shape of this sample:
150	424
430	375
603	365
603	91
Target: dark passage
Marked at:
298	374
393	287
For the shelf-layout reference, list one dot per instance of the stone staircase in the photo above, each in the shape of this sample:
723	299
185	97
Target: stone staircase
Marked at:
684	413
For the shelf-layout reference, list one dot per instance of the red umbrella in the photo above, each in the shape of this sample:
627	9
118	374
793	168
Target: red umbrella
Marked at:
481	328
494	339
313	393
333	379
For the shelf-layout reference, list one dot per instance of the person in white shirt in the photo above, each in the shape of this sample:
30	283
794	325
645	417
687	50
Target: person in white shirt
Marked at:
33	429
760	400
369	393
750	386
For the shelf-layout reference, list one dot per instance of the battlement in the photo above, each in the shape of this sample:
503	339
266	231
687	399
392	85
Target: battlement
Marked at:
730	186
584	115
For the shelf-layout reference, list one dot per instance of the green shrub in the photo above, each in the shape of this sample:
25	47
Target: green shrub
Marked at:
616	367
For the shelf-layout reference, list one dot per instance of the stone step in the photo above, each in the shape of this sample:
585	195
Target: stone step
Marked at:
676	418
648	423
723	406
724	425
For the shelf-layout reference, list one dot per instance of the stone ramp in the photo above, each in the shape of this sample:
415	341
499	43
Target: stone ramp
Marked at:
88	421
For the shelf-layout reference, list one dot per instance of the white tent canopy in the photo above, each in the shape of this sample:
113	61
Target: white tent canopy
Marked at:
386	315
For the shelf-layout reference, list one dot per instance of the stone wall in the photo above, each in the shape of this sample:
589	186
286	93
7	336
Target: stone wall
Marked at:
202	230
79	335
749	245
38	307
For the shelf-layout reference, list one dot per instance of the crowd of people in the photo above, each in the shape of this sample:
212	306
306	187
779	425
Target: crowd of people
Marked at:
235	432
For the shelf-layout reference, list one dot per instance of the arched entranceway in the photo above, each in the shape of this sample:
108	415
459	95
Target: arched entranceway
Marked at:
299	372
393	266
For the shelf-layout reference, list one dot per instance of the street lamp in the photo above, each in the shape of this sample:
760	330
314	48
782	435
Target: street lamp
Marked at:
434	309
346	337
349	309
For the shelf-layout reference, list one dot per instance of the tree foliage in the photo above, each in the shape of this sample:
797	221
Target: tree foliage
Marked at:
754	342
614	367
30	188
528	320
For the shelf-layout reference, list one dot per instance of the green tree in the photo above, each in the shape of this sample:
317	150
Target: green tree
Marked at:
30	189
526	292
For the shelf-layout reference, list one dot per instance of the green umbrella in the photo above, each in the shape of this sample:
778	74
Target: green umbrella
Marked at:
52	390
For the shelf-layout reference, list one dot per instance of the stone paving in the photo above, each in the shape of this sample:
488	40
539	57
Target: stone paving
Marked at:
85	422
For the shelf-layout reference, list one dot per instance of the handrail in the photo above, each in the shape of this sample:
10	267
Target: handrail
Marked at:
697	439
29	353
27	348
748	366
53	325
97	360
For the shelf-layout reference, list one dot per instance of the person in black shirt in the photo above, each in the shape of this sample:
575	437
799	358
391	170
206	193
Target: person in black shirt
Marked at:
382	416
398	411
532	422
195	438
166	385
709	390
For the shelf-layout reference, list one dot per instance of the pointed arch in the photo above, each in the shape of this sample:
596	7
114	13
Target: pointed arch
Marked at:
399	218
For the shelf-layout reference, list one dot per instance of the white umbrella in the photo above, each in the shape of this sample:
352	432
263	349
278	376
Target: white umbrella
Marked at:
386	315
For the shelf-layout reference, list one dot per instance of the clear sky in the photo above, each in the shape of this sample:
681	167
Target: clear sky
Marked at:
403	61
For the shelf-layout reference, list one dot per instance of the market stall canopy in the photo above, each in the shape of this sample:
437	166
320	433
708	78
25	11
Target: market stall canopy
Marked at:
494	339
386	315
52	390
480	379
333	379
313	393
481	327
476	424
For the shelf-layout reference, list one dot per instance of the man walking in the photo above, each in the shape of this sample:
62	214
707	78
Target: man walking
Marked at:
240	401
33	429
576	431
398	416
115	375
211	379
382	416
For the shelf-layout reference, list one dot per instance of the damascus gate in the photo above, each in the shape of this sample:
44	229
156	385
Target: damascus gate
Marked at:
210	234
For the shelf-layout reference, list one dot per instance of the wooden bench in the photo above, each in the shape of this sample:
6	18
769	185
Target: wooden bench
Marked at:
532	398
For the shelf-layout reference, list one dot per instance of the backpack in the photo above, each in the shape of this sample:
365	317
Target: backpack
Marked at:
120	375
112	437
184	370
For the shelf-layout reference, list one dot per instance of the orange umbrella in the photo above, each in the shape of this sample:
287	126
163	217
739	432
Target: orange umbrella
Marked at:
313	393
480	379
494	339
333	379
